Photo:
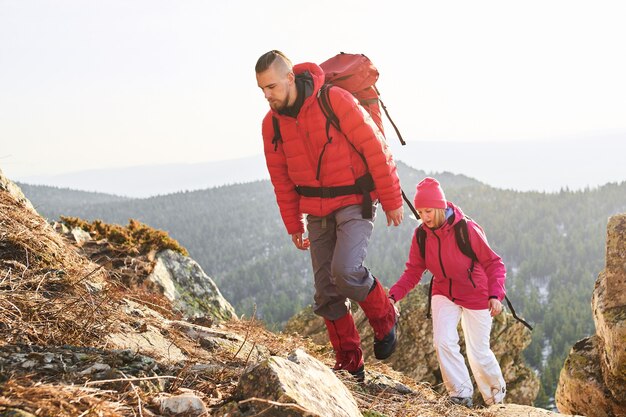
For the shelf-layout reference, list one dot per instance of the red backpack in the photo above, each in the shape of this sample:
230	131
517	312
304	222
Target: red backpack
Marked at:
356	74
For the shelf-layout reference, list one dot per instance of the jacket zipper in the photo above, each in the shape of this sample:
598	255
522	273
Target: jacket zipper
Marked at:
443	270
307	145
469	275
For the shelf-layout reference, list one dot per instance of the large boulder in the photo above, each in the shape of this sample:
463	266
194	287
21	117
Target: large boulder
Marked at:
191	291
415	355
593	378
298	386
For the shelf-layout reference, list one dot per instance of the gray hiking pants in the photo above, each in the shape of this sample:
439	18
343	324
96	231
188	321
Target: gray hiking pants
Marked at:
338	249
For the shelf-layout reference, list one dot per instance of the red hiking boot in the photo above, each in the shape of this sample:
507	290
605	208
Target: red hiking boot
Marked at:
382	317
346	343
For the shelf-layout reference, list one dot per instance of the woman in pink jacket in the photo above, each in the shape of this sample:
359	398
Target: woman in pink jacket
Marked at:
462	289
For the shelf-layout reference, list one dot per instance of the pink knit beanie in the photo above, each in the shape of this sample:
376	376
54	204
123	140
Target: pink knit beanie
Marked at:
429	194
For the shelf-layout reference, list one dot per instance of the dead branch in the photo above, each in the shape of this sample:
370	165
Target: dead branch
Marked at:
274	404
106	381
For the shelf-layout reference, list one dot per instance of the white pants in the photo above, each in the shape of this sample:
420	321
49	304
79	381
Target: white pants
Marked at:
476	326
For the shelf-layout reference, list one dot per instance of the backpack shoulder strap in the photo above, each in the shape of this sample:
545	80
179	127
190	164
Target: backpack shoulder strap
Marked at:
277	136
323	98
420	237
461	233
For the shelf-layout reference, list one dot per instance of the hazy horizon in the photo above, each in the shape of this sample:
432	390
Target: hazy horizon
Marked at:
522	166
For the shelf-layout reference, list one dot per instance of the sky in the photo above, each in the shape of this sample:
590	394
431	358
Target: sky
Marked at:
88	84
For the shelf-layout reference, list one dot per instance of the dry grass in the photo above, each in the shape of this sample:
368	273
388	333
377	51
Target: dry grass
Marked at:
47	290
136	237
48	400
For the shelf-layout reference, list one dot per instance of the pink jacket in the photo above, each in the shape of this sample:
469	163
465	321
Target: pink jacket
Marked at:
450	267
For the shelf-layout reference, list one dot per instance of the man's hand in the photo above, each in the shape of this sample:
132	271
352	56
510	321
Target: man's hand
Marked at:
495	307
300	242
395	216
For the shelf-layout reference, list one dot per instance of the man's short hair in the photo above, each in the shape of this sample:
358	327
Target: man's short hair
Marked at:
268	58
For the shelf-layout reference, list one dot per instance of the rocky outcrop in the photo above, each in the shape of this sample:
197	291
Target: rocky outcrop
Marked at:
151	333
593	378
9	186
144	258
415	355
191	291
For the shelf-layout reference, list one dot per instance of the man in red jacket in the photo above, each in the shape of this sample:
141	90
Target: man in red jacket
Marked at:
337	177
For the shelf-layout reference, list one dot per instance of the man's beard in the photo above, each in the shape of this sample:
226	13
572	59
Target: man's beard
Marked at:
281	105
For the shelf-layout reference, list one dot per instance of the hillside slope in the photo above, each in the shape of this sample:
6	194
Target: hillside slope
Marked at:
551	244
78	338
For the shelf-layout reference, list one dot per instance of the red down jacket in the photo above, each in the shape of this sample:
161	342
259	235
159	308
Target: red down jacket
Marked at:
295	160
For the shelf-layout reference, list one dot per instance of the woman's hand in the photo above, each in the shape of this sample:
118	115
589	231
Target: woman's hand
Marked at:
495	307
395	306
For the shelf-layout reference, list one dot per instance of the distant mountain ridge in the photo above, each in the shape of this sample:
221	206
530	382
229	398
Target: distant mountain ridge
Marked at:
152	180
574	163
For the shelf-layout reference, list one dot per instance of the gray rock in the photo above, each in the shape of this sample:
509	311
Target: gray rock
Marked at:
187	404
212	338
75	363
385	383
95	368
30	364
80	236
302	384
146	339
48	357
61	228
150	342
191	291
